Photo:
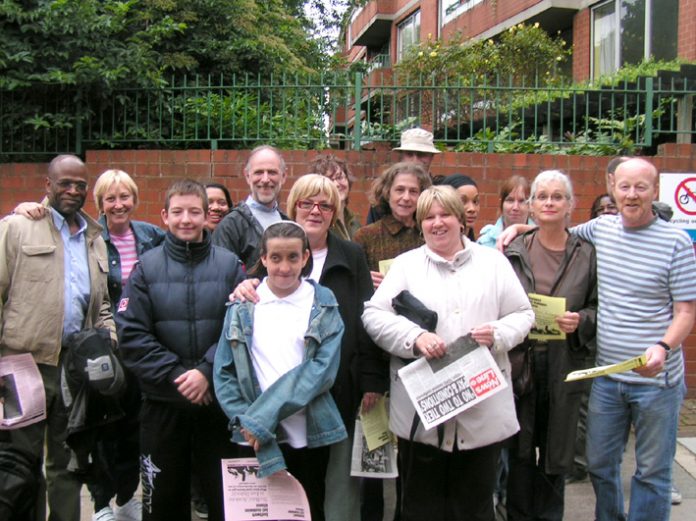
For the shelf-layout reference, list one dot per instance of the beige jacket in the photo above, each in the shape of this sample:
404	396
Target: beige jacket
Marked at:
32	286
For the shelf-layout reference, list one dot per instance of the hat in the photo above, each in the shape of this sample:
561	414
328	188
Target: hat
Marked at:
417	140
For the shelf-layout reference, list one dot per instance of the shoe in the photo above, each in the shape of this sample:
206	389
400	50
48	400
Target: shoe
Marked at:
200	508
676	496
131	511
105	514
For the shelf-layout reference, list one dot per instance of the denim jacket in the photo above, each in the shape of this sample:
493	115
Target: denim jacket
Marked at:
305	386
147	236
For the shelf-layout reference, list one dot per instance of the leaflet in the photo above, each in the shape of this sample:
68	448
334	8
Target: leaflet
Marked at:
442	388
384	265
546	309
250	498
22	394
594	372
375	425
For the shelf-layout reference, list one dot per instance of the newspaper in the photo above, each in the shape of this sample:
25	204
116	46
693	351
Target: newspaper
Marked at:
377	463
442	388
22	394
594	372
546	309
250	498
384	265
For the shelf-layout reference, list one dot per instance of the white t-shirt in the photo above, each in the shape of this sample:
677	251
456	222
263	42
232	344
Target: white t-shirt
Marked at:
318	261
278	345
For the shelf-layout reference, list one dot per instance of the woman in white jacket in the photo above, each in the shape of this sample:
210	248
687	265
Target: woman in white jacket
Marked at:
473	289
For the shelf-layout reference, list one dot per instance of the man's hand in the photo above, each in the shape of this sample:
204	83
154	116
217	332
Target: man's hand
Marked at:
246	290
194	386
656	356
33	211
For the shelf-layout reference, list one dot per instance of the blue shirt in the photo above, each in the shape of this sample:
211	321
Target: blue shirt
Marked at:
265	215
75	275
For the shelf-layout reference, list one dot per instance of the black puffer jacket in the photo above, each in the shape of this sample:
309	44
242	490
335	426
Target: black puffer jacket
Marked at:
172	312
241	233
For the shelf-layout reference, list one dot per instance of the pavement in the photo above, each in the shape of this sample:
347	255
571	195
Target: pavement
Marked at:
579	498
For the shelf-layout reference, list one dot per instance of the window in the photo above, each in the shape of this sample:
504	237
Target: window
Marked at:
630	31
408	34
451	9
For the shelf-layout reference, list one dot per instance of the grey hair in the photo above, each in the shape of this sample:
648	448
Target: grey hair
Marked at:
552	175
265	147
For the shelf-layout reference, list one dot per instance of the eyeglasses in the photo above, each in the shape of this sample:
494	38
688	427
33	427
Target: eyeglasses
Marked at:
307	205
555	197
66	184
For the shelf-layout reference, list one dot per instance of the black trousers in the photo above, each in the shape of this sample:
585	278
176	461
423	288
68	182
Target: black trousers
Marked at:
446	486
171	437
308	466
533	494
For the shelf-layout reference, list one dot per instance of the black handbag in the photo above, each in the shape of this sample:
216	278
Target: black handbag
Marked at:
522	369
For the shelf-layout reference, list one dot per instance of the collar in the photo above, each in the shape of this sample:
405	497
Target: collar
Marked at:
255	205
393	225
460	258
296	298
59	221
183	251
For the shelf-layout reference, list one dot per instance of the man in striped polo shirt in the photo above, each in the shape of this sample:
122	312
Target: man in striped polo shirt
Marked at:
647	304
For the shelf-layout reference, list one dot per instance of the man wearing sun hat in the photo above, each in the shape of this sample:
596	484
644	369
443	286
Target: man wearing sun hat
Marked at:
416	145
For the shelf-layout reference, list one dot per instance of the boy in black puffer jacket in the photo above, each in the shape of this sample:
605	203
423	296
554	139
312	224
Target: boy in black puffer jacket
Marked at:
169	321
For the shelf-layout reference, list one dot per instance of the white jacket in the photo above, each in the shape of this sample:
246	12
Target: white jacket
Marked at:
477	287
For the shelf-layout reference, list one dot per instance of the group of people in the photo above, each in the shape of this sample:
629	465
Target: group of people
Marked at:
246	331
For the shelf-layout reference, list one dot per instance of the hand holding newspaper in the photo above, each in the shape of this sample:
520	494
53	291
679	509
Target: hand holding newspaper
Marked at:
22	394
442	388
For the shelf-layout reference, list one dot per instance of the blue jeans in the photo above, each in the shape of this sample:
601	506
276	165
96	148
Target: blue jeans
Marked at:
654	412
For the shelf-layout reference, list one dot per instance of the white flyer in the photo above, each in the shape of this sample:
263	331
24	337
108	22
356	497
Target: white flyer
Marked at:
442	388
377	463
250	498
22	393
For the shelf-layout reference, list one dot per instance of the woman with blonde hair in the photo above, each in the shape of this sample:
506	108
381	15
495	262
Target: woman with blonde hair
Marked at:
450	472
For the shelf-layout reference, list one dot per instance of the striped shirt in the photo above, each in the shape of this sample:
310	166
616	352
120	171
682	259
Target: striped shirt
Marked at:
642	272
125	245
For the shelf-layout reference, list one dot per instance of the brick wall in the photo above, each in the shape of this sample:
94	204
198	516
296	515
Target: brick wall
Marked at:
154	170
687	30
582	46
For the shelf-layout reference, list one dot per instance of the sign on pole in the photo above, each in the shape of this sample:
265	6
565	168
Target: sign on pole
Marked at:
679	192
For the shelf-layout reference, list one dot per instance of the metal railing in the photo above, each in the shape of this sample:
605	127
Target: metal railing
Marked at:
347	111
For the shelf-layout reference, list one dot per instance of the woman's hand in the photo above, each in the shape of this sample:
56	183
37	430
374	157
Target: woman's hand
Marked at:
33	211
377	278
484	335
568	322
251	440
246	290
369	400
430	345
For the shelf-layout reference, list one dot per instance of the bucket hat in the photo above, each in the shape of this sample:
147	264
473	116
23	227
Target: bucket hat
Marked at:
417	140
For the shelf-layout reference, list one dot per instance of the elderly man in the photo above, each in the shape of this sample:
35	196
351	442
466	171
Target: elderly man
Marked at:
240	231
647	304
52	284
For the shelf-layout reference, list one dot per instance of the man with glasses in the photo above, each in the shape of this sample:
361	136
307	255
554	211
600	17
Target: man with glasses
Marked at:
52	284
240	231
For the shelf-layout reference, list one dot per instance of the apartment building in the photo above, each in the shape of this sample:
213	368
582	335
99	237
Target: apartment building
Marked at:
605	34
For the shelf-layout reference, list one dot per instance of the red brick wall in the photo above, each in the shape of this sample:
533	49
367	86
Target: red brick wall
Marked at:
582	46
687	30
154	170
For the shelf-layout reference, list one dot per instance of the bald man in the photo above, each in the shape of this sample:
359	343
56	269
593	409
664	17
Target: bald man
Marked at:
52	284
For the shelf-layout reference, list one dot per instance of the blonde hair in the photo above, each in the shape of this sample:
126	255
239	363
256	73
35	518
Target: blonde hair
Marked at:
110	178
445	196
310	185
